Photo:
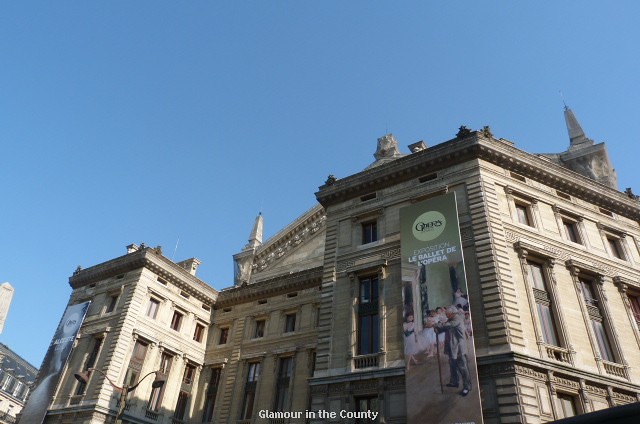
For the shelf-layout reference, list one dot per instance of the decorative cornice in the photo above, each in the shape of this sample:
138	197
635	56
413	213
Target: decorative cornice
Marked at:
153	260
271	287
476	146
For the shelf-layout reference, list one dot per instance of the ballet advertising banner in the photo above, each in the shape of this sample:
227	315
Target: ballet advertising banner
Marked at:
441	374
36	407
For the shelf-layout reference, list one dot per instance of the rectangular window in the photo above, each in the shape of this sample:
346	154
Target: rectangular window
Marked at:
368	324
135	363
176	321
198	333
189	374
369	232
9	383
634	300
152	308
259	330
181	405
224	335
615	247
596	317
111	305
282	385
544	307
566	405
312	367
250	391
210	397
290	323
20	390
165	363
364	404
524	214
90	363
157	393
571	230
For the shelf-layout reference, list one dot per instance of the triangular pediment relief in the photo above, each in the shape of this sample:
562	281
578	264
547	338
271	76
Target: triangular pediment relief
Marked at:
298	246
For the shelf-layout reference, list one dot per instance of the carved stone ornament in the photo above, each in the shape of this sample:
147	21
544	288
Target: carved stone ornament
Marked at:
331	179
387	148
629	193
463	131
486	131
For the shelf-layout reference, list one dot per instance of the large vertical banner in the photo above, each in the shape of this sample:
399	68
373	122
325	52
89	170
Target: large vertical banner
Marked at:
55	359
441	374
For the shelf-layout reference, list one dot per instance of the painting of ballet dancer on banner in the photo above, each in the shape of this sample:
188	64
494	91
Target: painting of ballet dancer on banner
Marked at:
441	374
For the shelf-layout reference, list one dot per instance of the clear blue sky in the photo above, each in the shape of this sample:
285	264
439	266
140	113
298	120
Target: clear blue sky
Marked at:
151	121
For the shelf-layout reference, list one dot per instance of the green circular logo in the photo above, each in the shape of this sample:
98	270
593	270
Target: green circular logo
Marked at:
429	225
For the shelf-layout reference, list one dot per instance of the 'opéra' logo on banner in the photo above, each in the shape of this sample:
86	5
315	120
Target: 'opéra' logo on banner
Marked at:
429	225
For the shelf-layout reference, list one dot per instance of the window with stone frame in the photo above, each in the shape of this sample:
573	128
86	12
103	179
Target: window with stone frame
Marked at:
8	383
198	332
181	405
364	404
368	328
90	362
157	393
634	301
597	318
224	336
249	397
260	325
614	245
283	382
189	374
290	322
630	293
210	395
570	229
566	405
152	307
136	362
176	320
544	307
369	231
522	207
544	302
112	301
523	213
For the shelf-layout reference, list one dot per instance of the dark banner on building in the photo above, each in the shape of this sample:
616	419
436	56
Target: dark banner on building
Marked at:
441	374
55	359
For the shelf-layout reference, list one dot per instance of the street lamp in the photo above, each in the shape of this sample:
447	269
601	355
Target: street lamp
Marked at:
158	381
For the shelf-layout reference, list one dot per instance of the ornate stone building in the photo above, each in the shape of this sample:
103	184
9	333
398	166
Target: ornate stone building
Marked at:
314	319
16	377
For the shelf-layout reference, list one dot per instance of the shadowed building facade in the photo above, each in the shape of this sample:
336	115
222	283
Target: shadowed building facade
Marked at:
313	321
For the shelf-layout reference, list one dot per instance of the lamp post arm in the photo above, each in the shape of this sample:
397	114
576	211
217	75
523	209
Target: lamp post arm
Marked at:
132	388
114	385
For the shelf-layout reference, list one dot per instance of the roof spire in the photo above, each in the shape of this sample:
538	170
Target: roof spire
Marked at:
255	238
576	134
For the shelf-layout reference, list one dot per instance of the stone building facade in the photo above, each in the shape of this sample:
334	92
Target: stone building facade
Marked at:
313	321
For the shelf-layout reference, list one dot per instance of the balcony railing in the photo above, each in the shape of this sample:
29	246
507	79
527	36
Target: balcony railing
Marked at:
558	353
151	415
365	361
615	369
